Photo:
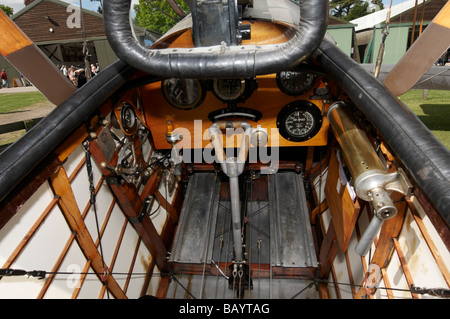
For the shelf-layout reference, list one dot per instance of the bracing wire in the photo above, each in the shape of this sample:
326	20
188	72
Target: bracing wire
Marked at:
93	204
41	274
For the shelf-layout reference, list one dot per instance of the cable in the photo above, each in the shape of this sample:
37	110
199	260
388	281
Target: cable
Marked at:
41	274
307	287
93	201
438	292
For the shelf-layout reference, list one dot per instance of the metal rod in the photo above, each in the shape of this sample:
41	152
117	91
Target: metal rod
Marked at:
384	34
236	218
369	235
233	167
236	62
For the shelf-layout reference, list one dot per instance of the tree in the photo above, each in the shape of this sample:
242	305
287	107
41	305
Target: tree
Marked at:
8	10
100	6
352	9
157	15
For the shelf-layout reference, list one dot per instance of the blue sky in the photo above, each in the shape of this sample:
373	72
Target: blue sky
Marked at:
394	2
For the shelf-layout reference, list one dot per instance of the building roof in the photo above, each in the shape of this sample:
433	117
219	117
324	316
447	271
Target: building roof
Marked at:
52	21
432	8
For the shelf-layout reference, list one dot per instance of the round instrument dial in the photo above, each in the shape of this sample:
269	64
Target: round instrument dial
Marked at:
295	83
299	121
184	94
128	118
229	89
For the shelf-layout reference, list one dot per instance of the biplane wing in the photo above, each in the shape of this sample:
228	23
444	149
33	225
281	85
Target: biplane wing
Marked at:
435	78
422	54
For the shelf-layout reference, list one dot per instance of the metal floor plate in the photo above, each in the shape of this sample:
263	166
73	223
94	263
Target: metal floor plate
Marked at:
291	236
197	220
278	237
216	287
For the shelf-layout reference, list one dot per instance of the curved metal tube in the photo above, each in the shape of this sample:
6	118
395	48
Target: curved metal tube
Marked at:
216	141
214	61
233	167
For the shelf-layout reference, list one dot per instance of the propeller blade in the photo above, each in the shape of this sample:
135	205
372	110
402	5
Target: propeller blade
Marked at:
26	57
176	7
434	41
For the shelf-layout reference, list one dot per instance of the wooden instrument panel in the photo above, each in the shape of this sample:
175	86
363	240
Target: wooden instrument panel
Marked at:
267	98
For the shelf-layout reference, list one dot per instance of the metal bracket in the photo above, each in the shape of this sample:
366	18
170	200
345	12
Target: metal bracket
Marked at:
396	181
148	202
400	184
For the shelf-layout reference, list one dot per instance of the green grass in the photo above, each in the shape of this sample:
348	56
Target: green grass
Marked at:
10	102
434	111
13	102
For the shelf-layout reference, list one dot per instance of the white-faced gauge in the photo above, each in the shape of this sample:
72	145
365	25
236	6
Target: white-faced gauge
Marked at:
299	121
183	94
295	83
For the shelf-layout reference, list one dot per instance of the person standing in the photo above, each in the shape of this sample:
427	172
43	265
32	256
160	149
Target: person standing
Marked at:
65	71
93	70
4	78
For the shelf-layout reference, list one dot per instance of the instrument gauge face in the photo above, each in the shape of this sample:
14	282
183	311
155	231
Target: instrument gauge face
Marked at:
299	121
128	118
183	94
229	89
295	83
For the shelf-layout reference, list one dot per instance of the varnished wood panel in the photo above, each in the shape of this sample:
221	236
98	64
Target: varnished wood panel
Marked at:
267	99
344	211
256	270
11	38
262	32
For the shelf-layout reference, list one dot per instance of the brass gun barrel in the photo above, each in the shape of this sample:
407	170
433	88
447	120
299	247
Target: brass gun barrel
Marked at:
368	172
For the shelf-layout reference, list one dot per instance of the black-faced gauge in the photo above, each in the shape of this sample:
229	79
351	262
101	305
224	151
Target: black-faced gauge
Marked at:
184	94
295	83
228	89
128	118
299	121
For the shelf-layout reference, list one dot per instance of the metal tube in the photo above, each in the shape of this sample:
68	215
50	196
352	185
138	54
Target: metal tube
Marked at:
369	235
236	218
216	141
357	149
233	167
416	148
234	62
368	172
245	143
